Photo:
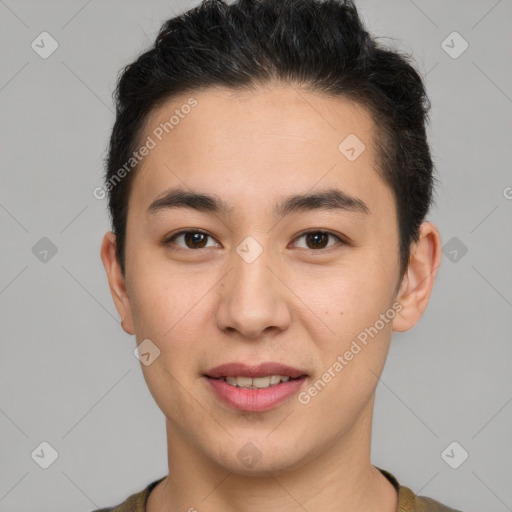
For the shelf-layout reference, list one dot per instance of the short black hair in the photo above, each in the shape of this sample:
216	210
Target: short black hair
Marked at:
320	45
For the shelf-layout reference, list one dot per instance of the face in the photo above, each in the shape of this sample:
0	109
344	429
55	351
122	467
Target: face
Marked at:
253	274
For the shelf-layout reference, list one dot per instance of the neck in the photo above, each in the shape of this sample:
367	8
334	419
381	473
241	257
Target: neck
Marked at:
338	478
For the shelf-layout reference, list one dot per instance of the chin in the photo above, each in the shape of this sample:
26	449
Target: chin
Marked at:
257	455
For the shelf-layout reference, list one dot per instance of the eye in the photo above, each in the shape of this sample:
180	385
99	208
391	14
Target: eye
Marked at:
192	239
196	239
318	240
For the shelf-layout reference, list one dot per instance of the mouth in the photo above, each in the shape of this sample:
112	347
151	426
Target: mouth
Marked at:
265	382
255	388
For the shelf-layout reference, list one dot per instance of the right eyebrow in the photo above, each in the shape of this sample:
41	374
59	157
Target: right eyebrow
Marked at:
180	198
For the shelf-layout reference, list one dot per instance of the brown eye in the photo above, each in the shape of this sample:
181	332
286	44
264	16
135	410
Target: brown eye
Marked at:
191	239
318	239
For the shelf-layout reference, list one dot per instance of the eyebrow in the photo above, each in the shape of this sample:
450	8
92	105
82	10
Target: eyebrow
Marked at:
330	199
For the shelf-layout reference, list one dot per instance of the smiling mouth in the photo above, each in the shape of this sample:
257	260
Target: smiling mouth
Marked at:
255	388
268	381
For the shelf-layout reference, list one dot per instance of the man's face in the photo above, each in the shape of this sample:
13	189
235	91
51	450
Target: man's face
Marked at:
249	285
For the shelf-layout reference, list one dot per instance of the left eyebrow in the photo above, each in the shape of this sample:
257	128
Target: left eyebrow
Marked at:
330	199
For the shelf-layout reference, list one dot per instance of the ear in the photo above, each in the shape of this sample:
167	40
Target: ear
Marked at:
419	278
116	281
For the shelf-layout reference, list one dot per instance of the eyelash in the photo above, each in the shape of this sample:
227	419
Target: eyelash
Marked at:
168	241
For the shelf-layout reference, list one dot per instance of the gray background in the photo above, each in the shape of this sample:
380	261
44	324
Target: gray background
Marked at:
68	375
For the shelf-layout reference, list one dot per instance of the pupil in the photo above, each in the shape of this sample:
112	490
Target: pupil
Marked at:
195	239
315	237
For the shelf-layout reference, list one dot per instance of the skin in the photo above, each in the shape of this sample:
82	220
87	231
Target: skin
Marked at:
294	304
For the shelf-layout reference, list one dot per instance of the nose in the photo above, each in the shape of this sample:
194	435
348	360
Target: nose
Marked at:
253	300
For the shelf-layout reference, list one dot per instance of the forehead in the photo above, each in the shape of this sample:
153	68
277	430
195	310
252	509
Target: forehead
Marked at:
259	142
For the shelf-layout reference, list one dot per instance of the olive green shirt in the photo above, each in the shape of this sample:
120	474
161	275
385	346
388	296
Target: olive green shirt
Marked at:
407	500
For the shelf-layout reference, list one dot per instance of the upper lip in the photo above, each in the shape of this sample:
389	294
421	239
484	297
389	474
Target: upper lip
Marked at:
254	371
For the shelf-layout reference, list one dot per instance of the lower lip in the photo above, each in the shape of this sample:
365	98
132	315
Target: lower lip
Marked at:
255	400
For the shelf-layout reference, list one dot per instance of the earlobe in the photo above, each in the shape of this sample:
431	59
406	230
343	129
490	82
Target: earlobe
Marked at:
116	281
419	278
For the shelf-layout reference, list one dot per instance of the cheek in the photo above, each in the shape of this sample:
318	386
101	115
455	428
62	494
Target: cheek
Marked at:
353	358
168	311
349	298
172	307
352	306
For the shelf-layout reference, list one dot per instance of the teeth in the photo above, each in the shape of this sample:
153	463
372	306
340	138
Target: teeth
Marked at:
256	383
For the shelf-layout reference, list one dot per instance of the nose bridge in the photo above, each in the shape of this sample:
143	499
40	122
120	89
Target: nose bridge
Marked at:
252	298
251	269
